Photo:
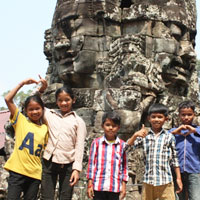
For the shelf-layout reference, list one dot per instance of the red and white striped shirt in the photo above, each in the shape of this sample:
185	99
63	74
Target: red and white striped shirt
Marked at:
108	165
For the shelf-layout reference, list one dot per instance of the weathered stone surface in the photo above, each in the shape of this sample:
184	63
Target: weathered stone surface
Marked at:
9	145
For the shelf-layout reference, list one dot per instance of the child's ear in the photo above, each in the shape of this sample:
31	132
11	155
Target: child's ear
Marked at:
166	118
74	100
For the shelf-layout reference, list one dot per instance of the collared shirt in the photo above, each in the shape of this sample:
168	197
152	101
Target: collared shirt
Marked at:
66	138
160	154
107	165
188	149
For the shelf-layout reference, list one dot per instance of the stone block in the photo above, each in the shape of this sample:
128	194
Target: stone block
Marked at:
88	115
166	45
84	65
84	97
136	27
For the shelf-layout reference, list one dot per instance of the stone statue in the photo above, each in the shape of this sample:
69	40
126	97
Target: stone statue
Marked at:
122	55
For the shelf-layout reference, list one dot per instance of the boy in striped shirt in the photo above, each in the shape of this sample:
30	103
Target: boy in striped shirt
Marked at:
160	154
107	172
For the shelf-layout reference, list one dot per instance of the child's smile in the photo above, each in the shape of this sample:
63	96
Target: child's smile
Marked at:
157	120
64	102
34	112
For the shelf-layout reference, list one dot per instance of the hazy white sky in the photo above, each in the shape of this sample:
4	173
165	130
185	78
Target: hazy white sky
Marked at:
23	24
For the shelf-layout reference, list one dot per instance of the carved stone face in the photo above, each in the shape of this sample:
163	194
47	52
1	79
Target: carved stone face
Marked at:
160	39
80	41
137	46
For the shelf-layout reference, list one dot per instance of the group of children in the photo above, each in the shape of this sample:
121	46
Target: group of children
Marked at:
61	133
176	151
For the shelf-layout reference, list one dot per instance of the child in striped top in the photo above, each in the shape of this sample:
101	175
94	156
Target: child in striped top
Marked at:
107	172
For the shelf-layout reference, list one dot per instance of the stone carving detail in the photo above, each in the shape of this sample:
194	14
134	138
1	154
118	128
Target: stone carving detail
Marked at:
122	55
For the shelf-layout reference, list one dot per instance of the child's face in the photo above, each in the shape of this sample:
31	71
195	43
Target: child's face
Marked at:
186	116
34	112
157	120
64	102
110	129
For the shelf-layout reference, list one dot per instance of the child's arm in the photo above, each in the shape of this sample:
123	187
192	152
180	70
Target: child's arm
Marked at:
123	190
91	168
190	129
9	97
141	133
81	133
177	131
178	179
175	164
124	175
90	190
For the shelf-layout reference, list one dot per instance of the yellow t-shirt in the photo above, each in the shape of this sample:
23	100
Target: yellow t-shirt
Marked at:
30	139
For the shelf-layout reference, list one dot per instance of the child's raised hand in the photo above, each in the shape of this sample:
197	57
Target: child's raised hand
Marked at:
190	130
43	86
142	132
184	127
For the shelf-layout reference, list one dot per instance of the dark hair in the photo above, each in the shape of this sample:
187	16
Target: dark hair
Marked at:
35	98
66	89
186	104
158	108
112	115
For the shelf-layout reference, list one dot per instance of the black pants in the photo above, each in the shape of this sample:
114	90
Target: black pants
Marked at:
18	183
51	172
102	195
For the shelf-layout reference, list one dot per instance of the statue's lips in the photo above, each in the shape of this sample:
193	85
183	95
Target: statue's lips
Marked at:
68	70
66	61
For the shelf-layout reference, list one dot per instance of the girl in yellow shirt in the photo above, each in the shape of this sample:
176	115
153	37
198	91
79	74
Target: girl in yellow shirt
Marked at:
24	165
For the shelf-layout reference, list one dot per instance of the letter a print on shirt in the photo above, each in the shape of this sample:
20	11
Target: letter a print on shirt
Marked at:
28	143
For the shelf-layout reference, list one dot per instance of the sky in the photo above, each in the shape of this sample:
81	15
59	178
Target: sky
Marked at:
23	24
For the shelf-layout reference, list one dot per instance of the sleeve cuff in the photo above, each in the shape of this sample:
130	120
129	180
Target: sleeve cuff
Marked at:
77	166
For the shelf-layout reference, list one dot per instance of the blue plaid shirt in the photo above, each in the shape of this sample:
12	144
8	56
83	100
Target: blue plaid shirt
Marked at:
160	154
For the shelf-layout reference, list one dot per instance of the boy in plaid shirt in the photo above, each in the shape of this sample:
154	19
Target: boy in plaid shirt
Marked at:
160	154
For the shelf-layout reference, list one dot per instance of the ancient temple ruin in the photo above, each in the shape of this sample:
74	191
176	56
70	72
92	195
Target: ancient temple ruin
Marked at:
122	55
